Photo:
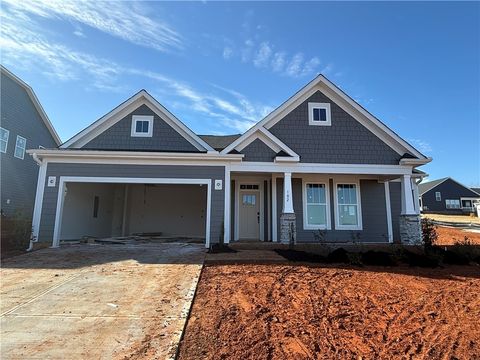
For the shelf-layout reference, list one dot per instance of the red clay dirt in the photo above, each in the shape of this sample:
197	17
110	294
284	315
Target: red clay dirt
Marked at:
329	312
449	235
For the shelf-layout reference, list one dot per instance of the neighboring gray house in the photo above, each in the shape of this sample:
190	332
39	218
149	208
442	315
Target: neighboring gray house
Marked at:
447	195
24	125
318	162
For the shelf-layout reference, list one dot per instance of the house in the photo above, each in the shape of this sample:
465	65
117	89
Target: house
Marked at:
318	164
447	195
24	125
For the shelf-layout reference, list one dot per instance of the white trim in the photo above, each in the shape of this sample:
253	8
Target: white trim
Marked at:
23	149
135	119
346	103
325	106
438	196
408	207
359	226
37	209
447	206
325	182
322	168
6	141
388	208
117	114
226	212
121	180
269	212
287	194
267	138
246	181
36	103
274	208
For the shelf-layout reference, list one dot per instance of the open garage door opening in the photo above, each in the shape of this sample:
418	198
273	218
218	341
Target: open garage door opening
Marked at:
112	210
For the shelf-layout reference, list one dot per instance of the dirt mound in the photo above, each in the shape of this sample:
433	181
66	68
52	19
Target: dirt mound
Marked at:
327	312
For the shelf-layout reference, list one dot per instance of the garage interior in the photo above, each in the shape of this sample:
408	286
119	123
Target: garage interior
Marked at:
105	210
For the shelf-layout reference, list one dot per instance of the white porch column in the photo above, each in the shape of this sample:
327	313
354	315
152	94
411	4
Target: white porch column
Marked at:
228	199
408	207
416	197
287	194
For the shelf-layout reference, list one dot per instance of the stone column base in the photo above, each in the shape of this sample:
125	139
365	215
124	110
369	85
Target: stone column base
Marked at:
410	230
288	228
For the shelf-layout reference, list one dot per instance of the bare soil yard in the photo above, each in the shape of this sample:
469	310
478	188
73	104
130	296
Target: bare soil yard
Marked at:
453	218
448	236
333	312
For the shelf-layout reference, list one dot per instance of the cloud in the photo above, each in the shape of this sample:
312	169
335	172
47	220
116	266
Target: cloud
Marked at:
421	145
294	68
121	19
262	55
278	61
79	32
227	52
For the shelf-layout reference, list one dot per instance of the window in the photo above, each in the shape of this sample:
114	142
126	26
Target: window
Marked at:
20	146
249	199
319	114
348	214
452	204
142	126
316	209
4	133
438	196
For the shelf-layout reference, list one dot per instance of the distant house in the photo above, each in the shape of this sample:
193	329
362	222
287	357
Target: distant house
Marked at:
24	125
447	195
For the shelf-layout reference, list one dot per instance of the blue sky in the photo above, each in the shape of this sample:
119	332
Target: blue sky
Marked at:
220	67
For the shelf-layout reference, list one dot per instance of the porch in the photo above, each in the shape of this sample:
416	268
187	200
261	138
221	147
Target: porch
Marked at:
329	208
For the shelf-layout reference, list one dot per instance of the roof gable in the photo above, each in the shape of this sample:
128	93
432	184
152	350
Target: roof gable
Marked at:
426	187
128	106
35	101
321	83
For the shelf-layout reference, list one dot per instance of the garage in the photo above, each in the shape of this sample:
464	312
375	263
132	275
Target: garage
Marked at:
104	208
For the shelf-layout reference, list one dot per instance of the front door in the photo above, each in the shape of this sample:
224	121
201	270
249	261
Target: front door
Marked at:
249	215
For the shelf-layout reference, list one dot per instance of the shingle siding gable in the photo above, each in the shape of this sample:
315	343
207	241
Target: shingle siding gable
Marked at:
258	151
346	141
118	136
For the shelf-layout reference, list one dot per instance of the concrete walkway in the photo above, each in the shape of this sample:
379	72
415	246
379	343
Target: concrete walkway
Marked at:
98	301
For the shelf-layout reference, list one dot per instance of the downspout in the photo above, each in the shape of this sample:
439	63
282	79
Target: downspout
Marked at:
33	239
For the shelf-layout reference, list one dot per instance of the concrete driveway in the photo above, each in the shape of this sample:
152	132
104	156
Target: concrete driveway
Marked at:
98	301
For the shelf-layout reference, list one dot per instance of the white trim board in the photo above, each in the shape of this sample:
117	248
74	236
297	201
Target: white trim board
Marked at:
121	180
326	183
256	181
35	101
118	113
321	83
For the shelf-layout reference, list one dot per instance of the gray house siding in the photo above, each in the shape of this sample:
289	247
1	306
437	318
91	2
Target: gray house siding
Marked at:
19	177
374	216
448	189
396	207
346	141
47	221
118	136
258	151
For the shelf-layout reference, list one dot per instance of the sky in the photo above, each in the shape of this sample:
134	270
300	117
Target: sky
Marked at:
220	67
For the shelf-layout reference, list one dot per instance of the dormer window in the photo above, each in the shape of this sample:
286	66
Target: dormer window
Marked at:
319	114
142	126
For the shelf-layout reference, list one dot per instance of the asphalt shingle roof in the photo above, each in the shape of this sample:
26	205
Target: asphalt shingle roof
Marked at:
219	142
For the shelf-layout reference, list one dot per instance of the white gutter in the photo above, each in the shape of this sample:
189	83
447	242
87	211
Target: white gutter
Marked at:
415	162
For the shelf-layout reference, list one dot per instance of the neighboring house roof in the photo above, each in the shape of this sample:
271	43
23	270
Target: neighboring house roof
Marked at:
35	102
348	104
140	98
425	187
219	142
477	190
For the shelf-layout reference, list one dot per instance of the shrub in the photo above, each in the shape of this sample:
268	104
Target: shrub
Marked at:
419	259
429	233
339	255
379	258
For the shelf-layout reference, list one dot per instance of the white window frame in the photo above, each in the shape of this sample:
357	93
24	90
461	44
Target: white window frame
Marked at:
326	106
449	206
135	119
23	149
306	225
359	225
438	196
6	141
